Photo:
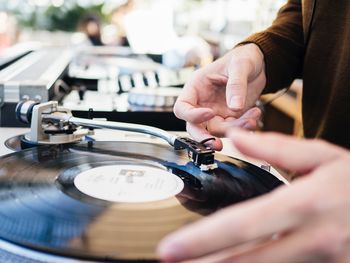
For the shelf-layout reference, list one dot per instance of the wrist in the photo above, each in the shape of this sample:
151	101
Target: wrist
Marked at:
256	49
251	49
254	54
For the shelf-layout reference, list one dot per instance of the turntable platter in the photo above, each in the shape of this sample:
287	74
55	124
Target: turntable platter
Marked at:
113	200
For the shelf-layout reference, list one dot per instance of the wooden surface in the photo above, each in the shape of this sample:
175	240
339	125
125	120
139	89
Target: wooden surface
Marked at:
289	105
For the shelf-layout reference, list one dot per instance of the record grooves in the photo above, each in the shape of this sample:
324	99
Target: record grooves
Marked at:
113	201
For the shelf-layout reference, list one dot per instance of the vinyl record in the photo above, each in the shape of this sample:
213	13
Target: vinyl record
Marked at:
113	200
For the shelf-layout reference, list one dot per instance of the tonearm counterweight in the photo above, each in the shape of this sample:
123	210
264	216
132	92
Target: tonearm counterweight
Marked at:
52	124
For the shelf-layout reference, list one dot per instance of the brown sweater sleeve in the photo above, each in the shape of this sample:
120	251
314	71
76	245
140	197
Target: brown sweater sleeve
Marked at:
283	46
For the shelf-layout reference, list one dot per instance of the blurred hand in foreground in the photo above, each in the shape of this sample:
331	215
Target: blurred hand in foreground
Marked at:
309	221
223	94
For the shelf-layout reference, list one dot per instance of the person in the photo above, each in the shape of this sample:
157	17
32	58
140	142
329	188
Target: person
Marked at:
309	221
90	25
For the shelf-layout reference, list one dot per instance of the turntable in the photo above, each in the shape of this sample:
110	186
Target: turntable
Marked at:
66	197
102	78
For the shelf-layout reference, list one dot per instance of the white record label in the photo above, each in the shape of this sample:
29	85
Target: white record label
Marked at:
128	183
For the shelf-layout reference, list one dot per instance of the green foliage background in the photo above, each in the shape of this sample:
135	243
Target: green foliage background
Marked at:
57	18
67	20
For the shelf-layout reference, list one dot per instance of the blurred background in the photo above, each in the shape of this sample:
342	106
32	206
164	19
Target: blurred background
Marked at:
126	59
177	27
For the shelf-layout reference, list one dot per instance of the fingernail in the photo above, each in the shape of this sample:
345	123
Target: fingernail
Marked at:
236	102
170	251
208	115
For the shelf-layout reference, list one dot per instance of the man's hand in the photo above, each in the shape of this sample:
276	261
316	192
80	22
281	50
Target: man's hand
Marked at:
222	94
308	221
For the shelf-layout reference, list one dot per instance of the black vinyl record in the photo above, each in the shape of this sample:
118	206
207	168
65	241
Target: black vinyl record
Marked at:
114	201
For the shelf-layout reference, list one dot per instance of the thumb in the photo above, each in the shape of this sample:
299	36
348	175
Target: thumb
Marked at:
237	84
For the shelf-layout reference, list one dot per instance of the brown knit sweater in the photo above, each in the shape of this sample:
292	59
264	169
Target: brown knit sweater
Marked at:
310	39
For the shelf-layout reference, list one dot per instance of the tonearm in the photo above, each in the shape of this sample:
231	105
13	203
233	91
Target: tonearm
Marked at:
52	124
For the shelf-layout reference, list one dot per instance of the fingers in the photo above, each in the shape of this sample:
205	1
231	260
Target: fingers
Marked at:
283	151
200	133
316	241
186	107
218	126
236	88
249	119
245	66
242	223
288	249
307	237
227	255
291	248
184	110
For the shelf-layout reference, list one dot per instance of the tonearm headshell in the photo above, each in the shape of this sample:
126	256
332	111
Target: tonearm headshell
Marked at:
52	124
